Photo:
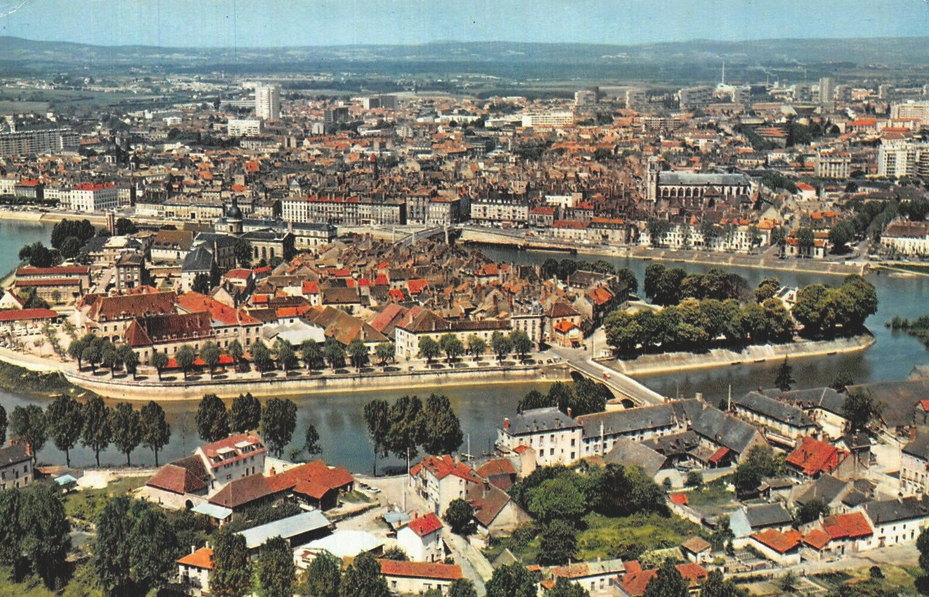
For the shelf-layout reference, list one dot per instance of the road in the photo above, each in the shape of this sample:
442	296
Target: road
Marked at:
621	385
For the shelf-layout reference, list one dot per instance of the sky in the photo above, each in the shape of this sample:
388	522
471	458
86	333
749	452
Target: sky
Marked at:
276	23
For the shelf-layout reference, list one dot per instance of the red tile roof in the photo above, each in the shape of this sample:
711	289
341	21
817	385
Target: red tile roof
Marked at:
202	558
26	315
778	541
679	499
443	466
814	457
847	526
421	570
424	525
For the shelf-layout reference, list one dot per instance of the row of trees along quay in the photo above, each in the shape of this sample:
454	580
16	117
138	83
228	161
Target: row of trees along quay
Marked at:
716	309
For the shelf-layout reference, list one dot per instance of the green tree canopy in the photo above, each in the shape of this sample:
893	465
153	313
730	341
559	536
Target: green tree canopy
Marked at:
667	583
245	414
275	569
323	577
364	577
511	580
126	426
28	426
156	431
460	516
377	420
557	543
212	419
96	433
439	428
278	422
65	419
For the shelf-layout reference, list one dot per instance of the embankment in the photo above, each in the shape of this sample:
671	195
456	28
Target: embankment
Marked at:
647	365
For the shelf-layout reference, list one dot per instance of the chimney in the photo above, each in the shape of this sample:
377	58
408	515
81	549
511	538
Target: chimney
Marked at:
193	548
506	425
569	412
28	449
273	471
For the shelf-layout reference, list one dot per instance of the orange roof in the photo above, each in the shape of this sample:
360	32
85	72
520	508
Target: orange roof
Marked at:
417	286
444	466
814	457
847	526
564	326
600	295
816	539
421	570
778	541
679	499
202	558
424	525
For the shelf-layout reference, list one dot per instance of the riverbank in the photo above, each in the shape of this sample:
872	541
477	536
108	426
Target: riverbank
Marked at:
297	383
659	364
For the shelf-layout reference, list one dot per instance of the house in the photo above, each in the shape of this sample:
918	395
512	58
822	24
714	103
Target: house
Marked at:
845	534
193	572
23	320
16	466
599	577
314	483
494	511
441	479
235	457
245	492
781	422
755	518
173	483
631	453
499	472
837	494
895	521
421	539
413	578
296	530
782	548
914	463
697	550
635	582
555	436
813	458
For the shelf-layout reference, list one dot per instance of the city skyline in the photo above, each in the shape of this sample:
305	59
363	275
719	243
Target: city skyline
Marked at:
271	23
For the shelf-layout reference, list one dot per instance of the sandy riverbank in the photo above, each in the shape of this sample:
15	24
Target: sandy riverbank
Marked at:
658	364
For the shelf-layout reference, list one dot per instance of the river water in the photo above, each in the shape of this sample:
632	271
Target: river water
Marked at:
338	416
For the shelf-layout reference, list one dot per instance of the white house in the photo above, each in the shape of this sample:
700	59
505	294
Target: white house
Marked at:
895	521
413	578
440	480
193	571
421	539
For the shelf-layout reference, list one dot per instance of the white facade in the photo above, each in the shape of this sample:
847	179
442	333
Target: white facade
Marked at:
548	119
268	102
899	158
89	198
244	128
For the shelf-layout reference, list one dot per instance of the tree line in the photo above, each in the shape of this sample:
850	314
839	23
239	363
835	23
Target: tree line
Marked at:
583	397
565	268
408	425
501	344
668	286
93	424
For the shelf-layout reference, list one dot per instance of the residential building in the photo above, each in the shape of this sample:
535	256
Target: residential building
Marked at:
39	141
895	521
695	98
421	539
16	466
914	463
244	127
268	102
500	210
415	578
193	572
554	436
235	457
439	480
94	197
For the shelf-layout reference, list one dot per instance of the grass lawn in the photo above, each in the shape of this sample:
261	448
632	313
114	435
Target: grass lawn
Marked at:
713	499
87	504
605	537
356	497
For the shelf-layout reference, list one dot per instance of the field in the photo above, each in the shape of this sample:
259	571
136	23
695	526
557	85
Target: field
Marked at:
86	505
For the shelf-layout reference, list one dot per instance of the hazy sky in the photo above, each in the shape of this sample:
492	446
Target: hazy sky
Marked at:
226	23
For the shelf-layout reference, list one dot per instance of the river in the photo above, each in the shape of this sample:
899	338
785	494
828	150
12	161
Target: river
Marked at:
338	417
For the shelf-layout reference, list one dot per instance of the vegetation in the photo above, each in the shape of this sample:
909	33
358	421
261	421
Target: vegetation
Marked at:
460	517
760	462
35	535
583	397
278	422
245	414
275	569
232	570
212	419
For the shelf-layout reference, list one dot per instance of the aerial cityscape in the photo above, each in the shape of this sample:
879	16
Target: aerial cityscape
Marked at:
390	297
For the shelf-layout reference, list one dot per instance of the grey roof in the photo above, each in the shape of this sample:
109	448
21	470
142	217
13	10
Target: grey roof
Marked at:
767	515
13	455
720	427
213	511
775	409
898	399
198	260
827	488
629	420
919	446
285	528
890	511
702	178
824	398
630	453
540	419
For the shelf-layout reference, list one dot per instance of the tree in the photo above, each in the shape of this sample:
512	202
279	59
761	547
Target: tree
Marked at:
81	230
766	289
3	424
557	543
840	235
275	569
245	414
129	359
28	426
841	380
628	280
235	352
404	422
210	353
439	428
922	546
76	351
334	353
323	577
384	351
96	433
377	420
242	249
462	588
202	283
859	409
91	352
311	354
278	421
784	377
657	229
716	585
522	344
125	226
694	479
429	349
358	353
160	362
512	580
126	426
805	240
501	345
110	360
460	517
65	420
185	358
812	510
364	577
396	554
565	588
12	533
311	441
667	583
557	499
46	539
135	548
212	419
38	255
286	355
476	346
232	569
156	431
451	346
261	356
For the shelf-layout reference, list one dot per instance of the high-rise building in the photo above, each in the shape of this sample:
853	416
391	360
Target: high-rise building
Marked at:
885	92
898	158
37	141
636	99
827	92
268	102
911	109
843	93
692	98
